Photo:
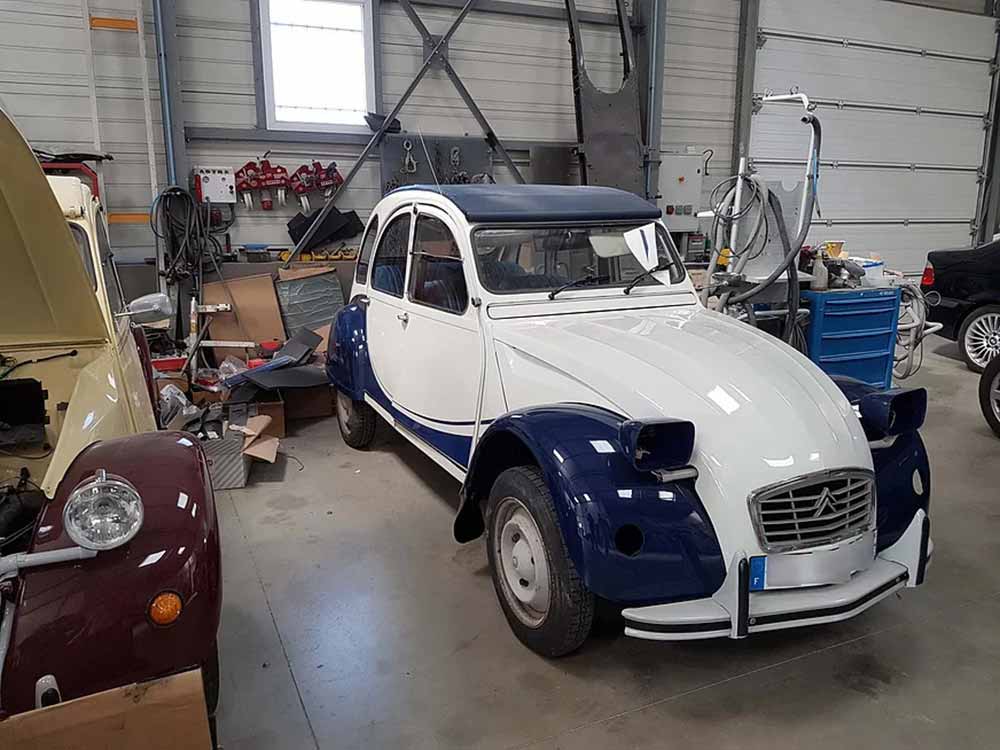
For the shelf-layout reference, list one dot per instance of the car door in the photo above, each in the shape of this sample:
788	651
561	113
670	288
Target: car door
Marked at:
390	359
442	337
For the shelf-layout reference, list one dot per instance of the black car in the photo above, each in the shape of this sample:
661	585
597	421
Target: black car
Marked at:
963	288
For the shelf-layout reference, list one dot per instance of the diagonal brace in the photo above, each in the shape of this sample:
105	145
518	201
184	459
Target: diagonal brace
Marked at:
377	138
488	132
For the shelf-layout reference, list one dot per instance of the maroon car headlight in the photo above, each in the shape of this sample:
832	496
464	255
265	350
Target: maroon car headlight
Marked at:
103	512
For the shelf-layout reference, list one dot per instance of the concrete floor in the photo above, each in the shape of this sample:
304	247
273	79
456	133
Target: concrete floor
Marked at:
352	620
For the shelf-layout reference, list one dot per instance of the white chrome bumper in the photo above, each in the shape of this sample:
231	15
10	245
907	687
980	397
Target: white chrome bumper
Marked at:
734	611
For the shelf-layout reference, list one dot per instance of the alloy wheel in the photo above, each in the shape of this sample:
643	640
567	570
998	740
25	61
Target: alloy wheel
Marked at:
994	395
982	339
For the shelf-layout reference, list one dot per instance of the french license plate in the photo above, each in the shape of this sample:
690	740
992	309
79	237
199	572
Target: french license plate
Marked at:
820	567
758	573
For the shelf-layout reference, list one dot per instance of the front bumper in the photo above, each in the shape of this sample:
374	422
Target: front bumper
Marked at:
735	611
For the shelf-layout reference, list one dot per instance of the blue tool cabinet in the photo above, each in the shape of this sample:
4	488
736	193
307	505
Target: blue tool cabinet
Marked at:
853	332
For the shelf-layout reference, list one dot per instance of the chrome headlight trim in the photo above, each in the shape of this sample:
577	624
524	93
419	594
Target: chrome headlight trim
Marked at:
109	488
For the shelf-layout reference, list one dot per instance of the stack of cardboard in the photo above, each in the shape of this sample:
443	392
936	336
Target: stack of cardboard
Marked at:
242	416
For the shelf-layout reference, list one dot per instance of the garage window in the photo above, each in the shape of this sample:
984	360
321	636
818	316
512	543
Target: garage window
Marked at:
389	266
361	274
318	64
437	276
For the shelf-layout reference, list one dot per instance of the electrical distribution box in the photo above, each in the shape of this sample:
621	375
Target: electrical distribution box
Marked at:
681	179
214	184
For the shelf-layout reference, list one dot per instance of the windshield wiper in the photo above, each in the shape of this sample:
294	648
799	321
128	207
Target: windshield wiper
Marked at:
588	279
648	274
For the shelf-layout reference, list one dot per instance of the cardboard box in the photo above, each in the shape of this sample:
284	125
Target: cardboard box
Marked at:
274	408
308	403
163	714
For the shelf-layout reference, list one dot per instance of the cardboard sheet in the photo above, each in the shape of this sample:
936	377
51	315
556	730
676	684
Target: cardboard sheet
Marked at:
257	444
163	714
259	315
302	272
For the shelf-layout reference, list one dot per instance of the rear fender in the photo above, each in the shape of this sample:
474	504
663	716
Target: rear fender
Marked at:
347	353
597	492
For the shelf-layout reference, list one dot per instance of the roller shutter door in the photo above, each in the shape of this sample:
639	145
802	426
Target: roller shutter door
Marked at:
903	94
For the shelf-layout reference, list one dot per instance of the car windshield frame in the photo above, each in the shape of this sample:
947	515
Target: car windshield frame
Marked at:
677	272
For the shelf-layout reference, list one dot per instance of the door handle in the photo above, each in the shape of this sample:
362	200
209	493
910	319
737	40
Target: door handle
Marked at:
402	317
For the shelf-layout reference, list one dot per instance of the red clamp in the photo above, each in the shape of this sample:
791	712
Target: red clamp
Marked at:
272	177
247	180
328	178
302	182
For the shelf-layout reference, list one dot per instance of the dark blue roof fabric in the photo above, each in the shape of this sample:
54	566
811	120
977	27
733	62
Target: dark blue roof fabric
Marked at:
503	203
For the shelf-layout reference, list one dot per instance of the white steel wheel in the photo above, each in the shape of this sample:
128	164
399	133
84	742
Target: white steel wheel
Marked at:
541	594
980	338
356	420
345	407
524	566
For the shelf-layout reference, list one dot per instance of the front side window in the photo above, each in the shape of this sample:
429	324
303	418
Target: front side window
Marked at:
389	266
542	258
318	62
437	278
108	269
83	245
361	274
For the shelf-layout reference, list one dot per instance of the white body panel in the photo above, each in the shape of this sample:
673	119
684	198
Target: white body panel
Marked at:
763	412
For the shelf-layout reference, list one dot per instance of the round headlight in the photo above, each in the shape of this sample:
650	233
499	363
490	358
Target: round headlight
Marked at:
103	512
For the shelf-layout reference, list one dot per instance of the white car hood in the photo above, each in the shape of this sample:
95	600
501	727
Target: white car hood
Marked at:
763	413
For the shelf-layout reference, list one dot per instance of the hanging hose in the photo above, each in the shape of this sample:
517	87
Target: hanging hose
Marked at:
761	199
913	329
791	249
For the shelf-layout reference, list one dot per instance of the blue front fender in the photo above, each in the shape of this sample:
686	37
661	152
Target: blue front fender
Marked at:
597	491
902	473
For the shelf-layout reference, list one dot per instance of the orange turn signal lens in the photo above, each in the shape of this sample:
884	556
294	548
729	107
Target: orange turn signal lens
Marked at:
165	608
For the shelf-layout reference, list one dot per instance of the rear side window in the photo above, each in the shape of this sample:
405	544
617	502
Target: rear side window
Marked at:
437	277
367	245
389	266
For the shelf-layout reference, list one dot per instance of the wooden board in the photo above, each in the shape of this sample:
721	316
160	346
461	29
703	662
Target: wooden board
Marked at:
162	714
257	317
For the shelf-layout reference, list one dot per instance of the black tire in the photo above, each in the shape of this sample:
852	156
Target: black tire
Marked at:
210	680
566	621
357	421
989	395
991	311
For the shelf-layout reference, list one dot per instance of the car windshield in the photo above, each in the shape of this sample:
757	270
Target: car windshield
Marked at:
544	258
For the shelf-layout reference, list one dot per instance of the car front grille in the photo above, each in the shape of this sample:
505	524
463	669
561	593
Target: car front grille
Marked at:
813	510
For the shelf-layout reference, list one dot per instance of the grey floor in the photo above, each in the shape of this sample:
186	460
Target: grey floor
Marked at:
352	620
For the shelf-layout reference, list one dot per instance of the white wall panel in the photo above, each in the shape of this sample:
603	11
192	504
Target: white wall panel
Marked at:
45	61
851	74
699	81
859	135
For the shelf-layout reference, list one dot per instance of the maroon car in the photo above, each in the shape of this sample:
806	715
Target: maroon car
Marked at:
109	540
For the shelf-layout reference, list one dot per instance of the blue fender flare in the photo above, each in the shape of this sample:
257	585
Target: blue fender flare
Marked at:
902	473
597	493
347	351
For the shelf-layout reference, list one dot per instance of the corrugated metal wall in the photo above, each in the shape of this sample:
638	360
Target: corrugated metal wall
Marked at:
906	128
517	69
73	88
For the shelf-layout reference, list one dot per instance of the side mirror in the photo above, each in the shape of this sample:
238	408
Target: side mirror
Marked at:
150	308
